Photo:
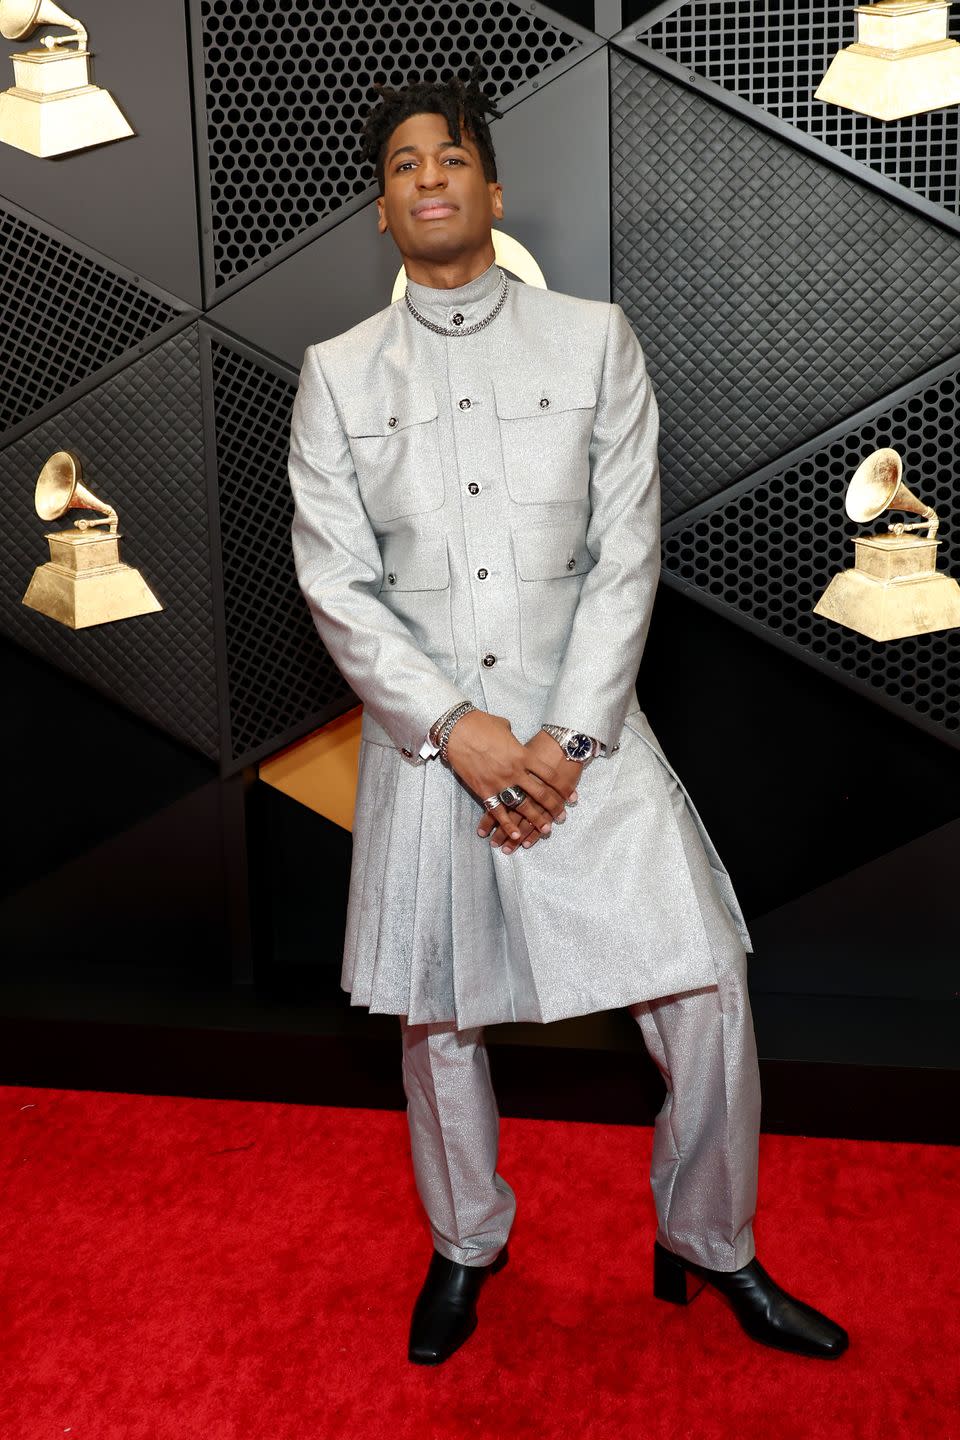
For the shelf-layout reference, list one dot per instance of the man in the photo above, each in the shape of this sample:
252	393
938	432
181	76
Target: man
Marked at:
476	534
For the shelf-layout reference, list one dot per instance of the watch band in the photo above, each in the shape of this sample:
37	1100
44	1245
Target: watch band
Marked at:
563	734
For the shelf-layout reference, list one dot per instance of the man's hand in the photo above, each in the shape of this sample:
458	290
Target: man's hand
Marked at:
545	758
487	756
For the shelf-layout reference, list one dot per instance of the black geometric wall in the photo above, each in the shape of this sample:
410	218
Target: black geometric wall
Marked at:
771	291
286	87
279	675
63	315
764	551
774	53
139	436
797	309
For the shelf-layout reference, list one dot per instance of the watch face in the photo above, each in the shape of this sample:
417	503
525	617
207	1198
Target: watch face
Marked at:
579	747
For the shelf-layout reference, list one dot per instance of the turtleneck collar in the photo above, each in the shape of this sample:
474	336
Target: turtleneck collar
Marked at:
481	287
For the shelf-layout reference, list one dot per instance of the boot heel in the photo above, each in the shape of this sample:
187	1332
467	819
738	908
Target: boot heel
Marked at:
671	1279
500	1261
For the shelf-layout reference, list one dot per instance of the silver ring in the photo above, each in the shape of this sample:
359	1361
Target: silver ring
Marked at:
492	802
512	796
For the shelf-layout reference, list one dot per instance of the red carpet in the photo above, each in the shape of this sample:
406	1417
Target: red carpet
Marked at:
177	1269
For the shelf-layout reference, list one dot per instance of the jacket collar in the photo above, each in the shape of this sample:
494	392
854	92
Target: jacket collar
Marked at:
479	288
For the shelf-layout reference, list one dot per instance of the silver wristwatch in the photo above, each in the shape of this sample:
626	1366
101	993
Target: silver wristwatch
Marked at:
574	743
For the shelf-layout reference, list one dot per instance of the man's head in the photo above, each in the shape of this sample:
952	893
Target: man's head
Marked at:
437	173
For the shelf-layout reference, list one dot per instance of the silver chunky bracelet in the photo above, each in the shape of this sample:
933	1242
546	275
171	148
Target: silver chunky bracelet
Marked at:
433	734
451	719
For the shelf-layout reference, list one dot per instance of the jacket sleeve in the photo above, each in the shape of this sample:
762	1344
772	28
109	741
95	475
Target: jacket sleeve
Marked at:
594	686
340	570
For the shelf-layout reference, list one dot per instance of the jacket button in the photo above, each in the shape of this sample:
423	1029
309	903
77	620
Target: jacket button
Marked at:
392	421
544	403
489	659
571	563
458	318
473	488
481	574
406	752
464	404
391	578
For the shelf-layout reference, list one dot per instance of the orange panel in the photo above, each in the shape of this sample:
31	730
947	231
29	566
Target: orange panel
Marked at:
321	771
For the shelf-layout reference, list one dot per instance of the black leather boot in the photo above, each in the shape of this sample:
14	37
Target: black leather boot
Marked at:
765	1311
445	1313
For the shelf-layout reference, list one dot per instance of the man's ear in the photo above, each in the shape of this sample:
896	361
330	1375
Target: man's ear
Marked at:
497	199
381	218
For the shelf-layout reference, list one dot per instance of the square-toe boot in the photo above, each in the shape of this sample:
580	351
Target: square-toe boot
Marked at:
765	1310
445	1312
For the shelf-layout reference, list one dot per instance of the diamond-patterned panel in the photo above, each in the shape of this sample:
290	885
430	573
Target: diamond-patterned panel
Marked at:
288	85
62	317
279	674
139	436
768	552
774	53
771	292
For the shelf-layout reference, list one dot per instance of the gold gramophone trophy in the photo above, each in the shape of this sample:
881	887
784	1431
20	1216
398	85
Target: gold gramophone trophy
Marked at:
903	62
52	107
84	582
895	589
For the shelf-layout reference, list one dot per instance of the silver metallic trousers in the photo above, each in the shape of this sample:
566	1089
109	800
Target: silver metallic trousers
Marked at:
703	1169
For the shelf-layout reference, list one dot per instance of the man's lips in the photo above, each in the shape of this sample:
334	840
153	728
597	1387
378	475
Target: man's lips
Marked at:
433	209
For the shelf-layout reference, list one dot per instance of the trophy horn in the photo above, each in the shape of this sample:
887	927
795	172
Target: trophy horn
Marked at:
19	19
59	489
877	485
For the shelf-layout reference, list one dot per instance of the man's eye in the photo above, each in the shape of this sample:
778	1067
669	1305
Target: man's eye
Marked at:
457	160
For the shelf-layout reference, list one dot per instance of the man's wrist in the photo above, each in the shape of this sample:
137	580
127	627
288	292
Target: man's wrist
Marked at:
575	744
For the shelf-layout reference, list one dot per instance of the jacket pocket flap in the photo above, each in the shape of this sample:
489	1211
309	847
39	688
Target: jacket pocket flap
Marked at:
525	398
415	562
390	413
544	552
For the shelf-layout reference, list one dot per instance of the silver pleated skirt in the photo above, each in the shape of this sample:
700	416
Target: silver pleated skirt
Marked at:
627	900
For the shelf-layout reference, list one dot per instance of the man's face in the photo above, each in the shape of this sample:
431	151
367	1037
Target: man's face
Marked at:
436	203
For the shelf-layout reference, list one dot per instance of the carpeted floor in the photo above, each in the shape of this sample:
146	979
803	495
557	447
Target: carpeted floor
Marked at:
177	1269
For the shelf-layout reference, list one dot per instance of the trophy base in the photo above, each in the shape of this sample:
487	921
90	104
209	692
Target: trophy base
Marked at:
891	84
891	609
92	597
56	124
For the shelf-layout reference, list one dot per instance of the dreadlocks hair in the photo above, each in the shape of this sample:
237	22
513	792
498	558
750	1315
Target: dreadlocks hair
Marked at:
452	98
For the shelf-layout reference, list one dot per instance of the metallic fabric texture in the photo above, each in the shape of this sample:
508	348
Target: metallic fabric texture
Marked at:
477	518
703	1170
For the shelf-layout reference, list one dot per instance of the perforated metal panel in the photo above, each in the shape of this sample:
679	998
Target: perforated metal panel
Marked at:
767	552
62	317
287	87
775	54
140	438
279	673
771	291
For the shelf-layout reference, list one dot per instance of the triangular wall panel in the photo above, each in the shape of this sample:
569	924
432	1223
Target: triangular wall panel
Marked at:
764	553
772	292
139	436
280	154
774	53
64	315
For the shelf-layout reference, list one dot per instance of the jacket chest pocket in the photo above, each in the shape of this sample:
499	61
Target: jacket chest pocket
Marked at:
545	434
416	587
552	562
395	444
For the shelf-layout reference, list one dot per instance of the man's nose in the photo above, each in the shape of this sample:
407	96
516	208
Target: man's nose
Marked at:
431	174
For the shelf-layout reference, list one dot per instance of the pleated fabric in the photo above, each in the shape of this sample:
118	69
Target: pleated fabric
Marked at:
622	903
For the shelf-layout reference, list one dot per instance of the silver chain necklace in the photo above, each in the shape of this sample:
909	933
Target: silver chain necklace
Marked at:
471	329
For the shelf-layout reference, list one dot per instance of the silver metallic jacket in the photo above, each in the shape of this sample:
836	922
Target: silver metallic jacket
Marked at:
477	517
